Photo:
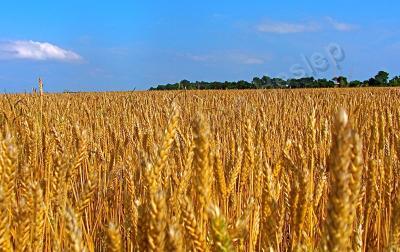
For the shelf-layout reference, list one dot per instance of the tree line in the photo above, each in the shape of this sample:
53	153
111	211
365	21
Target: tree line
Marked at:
381	79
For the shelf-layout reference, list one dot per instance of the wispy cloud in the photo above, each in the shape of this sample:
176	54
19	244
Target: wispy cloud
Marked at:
33	50
200	58
286	28
341	26
246	59
301	27
100	72
253	61
232	57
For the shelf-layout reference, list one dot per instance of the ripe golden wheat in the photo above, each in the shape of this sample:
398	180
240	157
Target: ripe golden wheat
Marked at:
277	170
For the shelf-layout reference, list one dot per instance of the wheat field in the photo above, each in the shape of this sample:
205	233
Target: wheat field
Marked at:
276	170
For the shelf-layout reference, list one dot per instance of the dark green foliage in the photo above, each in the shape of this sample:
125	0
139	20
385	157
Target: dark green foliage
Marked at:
265	82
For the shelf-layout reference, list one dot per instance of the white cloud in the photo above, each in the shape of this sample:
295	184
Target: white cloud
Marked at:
32	50
340	26
286	28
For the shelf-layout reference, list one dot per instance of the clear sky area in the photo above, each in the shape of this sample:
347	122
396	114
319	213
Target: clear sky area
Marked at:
124	45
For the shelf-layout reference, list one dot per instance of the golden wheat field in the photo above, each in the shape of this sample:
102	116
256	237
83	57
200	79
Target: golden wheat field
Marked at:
277	170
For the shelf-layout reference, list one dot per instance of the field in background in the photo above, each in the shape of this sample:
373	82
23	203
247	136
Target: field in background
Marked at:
256	170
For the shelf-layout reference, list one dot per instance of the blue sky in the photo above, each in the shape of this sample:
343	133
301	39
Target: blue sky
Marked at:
121	45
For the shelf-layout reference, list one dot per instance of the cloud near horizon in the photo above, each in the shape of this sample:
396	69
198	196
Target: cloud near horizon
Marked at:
33	50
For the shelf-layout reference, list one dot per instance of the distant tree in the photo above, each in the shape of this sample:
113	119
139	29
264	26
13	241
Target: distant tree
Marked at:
324	83
257	82
184	84
355	83
266	81
395	82
278	83
382	78
307	82
242	84
372	82
341	81
294	83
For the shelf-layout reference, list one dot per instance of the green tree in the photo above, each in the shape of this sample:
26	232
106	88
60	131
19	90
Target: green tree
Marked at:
355	83
257	82
395	82
324	83
382	78
341	81
184	84
266	81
